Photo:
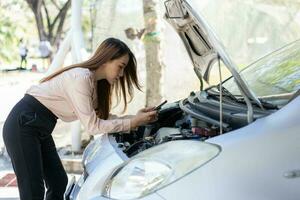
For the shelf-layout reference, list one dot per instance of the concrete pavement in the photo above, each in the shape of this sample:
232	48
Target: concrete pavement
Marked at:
8	182
8	185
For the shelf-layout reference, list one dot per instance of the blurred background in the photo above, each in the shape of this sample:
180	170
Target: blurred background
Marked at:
248	29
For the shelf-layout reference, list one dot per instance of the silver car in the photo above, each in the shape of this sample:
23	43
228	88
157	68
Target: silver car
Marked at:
239	139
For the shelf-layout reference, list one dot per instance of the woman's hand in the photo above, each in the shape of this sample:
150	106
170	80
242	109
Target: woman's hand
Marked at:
144	116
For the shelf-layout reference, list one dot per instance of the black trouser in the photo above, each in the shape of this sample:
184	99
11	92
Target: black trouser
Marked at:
27	137
23	58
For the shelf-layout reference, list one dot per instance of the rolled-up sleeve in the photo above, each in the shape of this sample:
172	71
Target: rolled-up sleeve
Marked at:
79	92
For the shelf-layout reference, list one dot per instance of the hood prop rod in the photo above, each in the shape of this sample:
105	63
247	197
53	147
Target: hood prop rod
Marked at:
220	94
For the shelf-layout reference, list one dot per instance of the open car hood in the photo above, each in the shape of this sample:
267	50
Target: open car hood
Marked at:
202	44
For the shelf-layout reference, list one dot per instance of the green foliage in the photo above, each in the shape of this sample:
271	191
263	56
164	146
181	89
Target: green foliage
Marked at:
7	39
12	28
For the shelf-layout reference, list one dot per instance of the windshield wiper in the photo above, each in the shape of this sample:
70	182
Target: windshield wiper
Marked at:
264	103
267	104
225	92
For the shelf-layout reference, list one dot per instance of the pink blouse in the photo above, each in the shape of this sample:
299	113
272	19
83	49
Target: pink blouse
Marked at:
72	95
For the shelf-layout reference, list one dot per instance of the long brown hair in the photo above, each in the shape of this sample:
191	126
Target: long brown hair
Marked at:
108	50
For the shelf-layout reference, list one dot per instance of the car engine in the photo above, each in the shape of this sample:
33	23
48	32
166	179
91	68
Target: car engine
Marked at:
196	118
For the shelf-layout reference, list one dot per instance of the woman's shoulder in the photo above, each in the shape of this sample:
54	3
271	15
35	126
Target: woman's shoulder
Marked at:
79	78
79	72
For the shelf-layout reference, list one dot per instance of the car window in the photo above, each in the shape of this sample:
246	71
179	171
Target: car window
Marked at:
277	73
214	76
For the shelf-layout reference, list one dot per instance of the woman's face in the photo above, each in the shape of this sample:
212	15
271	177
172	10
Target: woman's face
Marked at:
114	69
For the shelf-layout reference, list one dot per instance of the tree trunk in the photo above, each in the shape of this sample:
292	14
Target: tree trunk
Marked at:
104	9
152	51
112	10
51	34
35	6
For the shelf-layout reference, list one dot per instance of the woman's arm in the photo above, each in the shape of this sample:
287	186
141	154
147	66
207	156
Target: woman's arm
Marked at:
79	93
113	116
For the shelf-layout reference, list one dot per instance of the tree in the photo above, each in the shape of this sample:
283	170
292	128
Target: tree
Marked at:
152	50
12	29
7	39
50	26
104	9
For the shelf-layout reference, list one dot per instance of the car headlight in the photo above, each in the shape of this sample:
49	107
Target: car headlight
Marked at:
91	151
157	167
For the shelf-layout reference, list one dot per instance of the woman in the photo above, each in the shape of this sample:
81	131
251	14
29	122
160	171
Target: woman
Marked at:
81	91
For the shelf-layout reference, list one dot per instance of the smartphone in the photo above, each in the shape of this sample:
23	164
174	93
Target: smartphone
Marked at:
160	105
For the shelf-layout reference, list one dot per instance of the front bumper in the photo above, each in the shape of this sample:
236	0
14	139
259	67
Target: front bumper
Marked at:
73	188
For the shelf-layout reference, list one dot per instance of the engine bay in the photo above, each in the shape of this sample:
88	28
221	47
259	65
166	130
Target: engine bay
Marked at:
194	118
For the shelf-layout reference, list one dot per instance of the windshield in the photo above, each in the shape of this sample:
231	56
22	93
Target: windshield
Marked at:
277	73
